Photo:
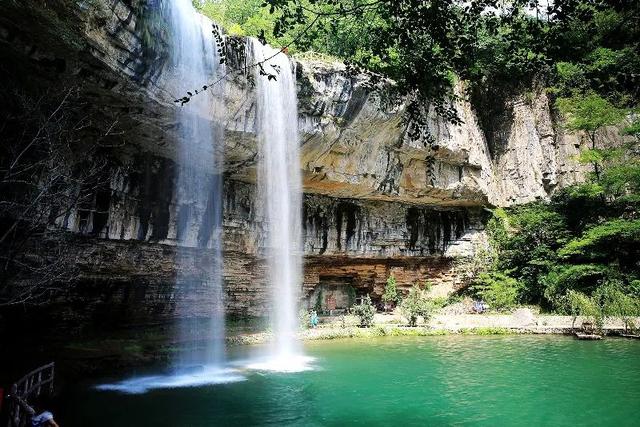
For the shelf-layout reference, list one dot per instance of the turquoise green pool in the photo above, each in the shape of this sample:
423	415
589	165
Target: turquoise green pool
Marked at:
461	380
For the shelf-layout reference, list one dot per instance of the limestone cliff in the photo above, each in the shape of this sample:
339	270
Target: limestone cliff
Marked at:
371	208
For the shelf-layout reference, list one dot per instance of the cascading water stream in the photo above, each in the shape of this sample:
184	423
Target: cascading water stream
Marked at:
198	188
280	192
195	61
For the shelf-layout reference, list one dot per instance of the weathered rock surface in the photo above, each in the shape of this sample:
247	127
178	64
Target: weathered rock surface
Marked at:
371	207
353	138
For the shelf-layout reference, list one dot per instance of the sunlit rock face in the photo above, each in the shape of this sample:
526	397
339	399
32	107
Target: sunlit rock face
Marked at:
372	205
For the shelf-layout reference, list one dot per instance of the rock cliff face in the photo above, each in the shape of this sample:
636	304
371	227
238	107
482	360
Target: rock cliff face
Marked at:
371	207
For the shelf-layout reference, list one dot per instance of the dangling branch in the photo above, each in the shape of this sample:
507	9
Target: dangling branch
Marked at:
260	64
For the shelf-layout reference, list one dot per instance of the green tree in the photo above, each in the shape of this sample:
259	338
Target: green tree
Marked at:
617	303
606	302
529	252
499	48
590	113
497	289
566	277
619	238
390	295
579	304
365	312
416	304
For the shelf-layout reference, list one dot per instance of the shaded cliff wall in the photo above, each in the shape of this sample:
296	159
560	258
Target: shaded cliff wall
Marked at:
129	259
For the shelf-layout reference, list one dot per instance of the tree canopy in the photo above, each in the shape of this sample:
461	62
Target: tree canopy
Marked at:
498	47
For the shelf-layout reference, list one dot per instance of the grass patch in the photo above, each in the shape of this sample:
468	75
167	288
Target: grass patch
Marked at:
373	332
486	331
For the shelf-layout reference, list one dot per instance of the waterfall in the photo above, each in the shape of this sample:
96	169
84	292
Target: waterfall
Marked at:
280	193
198	208
198	192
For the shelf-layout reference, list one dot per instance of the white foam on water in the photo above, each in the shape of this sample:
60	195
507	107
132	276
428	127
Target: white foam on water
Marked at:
210	375
291	364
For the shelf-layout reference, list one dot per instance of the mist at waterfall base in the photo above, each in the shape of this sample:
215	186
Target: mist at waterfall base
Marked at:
199	217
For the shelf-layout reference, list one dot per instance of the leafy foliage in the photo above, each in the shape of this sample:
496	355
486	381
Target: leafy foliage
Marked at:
364	311
585	53
527	250
618	236
589	235
416	304
618	303
588	112
497	289
580	304
391	291
585	239
607	301
573	277
499	48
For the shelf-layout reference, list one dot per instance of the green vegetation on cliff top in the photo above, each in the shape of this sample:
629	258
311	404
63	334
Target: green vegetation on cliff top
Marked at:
500	49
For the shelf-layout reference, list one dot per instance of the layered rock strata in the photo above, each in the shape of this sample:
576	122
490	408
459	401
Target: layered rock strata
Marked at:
374	206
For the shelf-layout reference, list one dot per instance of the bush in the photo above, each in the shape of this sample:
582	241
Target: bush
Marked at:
616	303
618	237
364	311
416	304
390	295
525	239
440	302
579	304
584	278
497	289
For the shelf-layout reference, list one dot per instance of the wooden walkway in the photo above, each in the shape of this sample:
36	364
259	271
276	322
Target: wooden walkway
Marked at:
27	388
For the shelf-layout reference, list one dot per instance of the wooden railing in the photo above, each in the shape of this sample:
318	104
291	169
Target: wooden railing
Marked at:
26	388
